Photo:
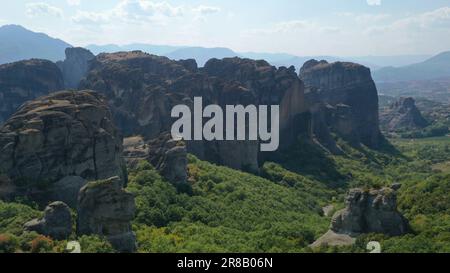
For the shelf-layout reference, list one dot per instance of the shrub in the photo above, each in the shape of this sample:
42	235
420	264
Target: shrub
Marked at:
41	244
95	244
8	243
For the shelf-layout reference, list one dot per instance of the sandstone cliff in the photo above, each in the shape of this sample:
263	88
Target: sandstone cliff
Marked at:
26	80
105	209
51	146
142	89
75	66
351	97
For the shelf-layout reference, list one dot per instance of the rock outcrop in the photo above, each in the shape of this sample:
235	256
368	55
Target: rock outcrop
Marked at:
370	211
402	115
105	209
56	223
76	66
366	211
269	86
170	158
135	149
54	144
142	89
26	80
351	97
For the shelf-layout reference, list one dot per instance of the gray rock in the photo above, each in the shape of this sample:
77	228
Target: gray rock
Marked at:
332	238
134	150
75	66
143	88
52	139
56	223
67	189
350	91
402	115
170	158
373	211
107	210
26	80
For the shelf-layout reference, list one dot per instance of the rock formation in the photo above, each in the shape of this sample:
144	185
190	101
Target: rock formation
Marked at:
402	115
351	96
170	158
26	80
56	143
107	210
135	149
366	211
56	223
370	211
75	66
142	89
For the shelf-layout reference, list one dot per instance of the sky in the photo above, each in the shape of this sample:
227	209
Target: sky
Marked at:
299	27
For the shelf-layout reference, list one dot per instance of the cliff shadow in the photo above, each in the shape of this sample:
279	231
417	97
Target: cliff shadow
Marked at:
309	159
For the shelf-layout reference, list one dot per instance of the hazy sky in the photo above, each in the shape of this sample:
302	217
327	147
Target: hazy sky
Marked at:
301	27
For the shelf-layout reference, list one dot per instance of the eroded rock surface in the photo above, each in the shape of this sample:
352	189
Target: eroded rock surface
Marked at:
143	88
52	145
105	209
366	211
170	158
75	66
402	115
26	80
56	223
370	211
350	94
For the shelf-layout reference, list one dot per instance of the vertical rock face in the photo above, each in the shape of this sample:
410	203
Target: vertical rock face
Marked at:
373	211
350	91
24	81
170	158
269	86
107	210
56	223
142	89
401	115
75	66
54	144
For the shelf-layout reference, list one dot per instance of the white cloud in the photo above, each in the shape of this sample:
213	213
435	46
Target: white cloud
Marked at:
293	26
428	21
42	9
73	2
142	11
205	10
374	2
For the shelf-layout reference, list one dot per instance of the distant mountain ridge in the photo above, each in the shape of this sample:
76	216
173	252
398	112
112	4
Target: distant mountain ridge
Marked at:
433	68
203	54
18	43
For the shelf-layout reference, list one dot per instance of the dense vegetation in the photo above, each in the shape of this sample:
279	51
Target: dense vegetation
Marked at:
279	210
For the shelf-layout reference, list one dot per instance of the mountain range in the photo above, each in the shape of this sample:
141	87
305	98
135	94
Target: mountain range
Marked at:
432	68
18	43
